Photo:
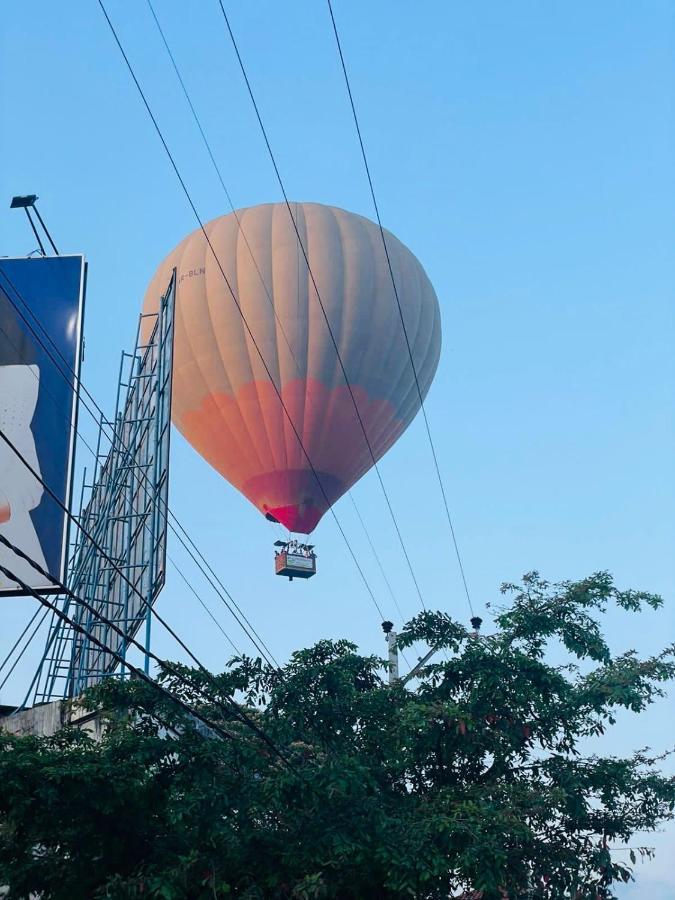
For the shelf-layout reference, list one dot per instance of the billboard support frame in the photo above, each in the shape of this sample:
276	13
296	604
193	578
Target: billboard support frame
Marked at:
126	514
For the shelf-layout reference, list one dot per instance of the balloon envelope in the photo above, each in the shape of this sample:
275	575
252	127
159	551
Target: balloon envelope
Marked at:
226	400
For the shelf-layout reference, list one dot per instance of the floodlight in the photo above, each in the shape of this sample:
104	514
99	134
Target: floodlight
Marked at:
27	202
23	202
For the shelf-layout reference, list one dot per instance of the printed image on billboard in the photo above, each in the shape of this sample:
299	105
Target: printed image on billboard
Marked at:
41	302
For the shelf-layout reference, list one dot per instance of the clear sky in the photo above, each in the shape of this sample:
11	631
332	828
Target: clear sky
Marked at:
524	152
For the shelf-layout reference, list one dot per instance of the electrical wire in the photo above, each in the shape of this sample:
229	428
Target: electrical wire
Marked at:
89	607
25	647
18	640
174	524
381	567
240	229
230	706
138	673
88	446
257	268
219	174
215	729
400	310
146	526
215	621
108	559
234	298
318	297
377	558
117	440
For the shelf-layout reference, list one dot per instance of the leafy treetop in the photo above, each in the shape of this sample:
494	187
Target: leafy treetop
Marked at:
474	780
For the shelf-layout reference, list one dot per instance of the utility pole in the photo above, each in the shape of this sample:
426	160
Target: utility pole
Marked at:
390	637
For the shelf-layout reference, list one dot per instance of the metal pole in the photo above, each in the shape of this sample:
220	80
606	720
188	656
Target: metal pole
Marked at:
44	227
35	232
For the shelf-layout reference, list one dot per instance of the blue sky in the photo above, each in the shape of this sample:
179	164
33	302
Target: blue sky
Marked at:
523	151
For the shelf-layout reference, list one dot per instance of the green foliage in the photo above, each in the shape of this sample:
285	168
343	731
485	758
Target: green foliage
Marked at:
474	779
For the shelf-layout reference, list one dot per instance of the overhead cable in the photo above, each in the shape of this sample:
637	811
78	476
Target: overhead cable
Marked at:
400	310
219	174
229	706
235	299
174	524
318	297
145	524
8	656
25	647
113	566
241	230
138	673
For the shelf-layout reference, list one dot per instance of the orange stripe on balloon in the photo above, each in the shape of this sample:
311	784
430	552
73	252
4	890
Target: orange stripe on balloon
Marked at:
216	431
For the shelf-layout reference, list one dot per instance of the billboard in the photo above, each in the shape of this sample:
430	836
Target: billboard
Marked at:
41	307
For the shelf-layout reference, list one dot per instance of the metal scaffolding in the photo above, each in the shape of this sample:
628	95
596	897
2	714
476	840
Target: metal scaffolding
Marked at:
118	557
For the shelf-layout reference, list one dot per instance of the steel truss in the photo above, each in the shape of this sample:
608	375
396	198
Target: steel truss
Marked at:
124	511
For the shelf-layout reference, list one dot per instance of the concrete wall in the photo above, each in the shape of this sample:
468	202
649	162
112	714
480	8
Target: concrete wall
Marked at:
46	719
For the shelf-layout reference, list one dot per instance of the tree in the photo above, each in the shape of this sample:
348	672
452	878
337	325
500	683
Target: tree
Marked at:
476	780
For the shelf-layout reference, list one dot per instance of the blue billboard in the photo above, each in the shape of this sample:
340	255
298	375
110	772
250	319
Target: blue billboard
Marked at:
41	308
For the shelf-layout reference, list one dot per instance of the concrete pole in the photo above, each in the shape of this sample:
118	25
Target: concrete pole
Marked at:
390	637
393	657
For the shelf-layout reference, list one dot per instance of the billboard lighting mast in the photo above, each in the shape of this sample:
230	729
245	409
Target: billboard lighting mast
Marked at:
27	203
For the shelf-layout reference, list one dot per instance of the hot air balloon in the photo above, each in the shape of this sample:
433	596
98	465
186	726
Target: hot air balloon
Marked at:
294	459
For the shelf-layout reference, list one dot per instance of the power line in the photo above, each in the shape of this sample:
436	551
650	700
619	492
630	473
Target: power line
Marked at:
25	647
93	453
240	228
135	671
377	557
398	303
117	438
178	530
381	567
318	297
138	673
219	174
231	705
238	711
145	525
8	656
114	567
234	298
18	640
216	622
